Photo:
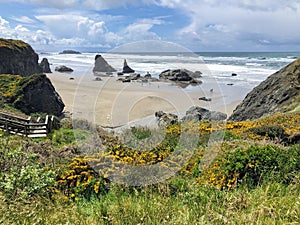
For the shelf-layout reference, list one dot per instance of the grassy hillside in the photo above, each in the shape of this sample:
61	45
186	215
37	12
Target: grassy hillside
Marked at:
252	178
13	44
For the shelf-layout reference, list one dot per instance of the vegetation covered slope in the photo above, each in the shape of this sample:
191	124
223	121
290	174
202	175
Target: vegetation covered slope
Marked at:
30	94
253	178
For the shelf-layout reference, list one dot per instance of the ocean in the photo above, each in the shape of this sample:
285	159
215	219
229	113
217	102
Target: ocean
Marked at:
250	68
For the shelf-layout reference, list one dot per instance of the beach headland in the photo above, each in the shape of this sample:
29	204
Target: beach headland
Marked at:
112	103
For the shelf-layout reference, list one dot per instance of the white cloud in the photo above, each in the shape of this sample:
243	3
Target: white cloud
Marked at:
240	24
212	24
4	24
23	19
68	27
254	5
20	32
83	4
141	30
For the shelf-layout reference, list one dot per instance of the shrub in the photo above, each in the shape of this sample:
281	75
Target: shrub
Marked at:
22	175
253	166
271	131
80	180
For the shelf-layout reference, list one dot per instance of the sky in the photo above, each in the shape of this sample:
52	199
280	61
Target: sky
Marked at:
198	25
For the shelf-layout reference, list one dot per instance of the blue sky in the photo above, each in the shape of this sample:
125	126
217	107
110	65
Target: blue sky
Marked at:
199	25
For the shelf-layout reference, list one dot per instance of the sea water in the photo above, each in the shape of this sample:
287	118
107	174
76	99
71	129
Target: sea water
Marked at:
250	68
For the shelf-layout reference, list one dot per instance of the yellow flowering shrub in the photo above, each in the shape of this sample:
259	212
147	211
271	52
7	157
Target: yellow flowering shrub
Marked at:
81	180
252	166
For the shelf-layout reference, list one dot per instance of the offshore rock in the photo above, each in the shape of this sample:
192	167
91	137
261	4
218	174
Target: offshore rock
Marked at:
69	52
181	76
63	69
102	66
45	66
126	68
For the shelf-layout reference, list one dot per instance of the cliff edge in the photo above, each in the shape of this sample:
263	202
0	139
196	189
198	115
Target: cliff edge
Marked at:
280	92
18	58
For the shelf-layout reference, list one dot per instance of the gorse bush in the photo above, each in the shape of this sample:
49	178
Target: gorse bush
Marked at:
80	180
253	166
270	131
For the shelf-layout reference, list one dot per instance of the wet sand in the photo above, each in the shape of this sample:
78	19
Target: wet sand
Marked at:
112	103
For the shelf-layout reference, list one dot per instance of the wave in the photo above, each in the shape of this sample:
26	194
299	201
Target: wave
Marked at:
251	68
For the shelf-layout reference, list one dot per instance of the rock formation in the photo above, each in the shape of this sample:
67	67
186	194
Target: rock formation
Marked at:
102	66
280	92
166	118
137	77
197	113
126	68
69	52
63	69
18	58
44	64
181	76
36	94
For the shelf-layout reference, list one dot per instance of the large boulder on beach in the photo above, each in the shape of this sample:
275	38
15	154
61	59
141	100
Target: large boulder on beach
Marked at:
44	64
165	119
126	68
63	69
280	92
36	94
18	58
181	76
197	113
102	66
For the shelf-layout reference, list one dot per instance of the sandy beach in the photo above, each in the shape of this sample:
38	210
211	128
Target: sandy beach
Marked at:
112	103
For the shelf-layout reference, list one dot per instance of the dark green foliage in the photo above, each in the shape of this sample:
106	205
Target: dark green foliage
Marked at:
257	165
271	131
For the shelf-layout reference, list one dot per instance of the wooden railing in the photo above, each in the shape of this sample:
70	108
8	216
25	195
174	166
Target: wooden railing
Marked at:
25	127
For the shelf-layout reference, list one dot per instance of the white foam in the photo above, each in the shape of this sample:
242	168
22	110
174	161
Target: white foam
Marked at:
250	70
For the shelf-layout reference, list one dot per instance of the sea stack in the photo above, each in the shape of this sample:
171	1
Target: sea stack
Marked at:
44	64
102	66
126	68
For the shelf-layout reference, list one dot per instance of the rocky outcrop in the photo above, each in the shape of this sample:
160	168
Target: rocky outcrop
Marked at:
126	68
165	119
18	58
69	52
63	69
280	92
36	94
197	113
102	66
138	78
45	66
181	76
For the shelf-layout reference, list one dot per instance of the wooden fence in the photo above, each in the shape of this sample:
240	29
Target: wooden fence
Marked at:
26	127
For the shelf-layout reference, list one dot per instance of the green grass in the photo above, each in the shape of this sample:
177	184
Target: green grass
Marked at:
270	204
12	44
182	199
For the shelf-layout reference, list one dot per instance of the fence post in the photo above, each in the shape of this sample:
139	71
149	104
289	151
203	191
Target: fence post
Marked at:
47	124
25	130
6	127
